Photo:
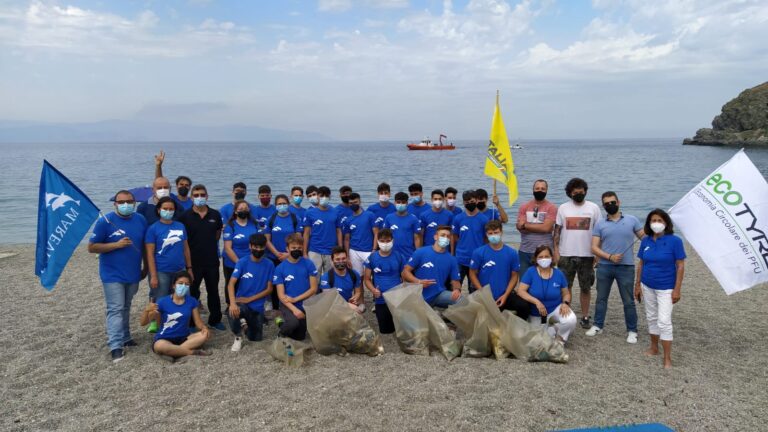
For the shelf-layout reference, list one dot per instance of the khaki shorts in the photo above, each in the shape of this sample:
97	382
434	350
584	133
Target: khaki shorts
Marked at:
581	266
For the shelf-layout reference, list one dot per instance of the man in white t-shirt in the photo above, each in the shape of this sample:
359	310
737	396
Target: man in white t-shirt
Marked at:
573	242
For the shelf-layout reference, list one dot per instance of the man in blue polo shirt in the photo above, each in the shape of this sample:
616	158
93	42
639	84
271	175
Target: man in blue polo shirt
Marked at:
249	286
612	241
321	231
344	280
405	227
295	280
262	212
498	265
118	238
416	204
468	232
436	216
432	266
359	233
161	187
383	207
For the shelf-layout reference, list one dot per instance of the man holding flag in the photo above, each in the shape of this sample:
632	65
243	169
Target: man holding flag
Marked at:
499	165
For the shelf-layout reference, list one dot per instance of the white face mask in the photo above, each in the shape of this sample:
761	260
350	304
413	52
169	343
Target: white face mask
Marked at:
437	203
383	198
386	247
544	262
658	227
451	202
162	193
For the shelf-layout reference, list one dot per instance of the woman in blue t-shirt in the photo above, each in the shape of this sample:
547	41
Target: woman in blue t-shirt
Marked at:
167	249
659	278
279	226
237	233
173	314
546	289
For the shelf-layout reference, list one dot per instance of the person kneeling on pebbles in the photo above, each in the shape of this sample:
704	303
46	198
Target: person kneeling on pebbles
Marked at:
432	266
249	286
173	314
295	280
344	280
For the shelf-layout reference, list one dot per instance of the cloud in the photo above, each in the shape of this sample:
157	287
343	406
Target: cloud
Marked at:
86	32
345	5
334	5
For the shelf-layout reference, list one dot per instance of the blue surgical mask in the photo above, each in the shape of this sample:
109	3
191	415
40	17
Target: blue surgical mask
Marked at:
181	290
323	201
126	209
415	199
282	208
443	242
199	201
298	199
401	207
313	200
494	239
166	214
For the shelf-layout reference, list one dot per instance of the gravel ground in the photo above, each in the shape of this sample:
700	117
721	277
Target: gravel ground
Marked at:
56	373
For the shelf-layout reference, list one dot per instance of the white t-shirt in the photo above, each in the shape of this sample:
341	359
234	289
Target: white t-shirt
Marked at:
577	222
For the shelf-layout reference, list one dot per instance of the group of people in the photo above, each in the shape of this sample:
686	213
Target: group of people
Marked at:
276	253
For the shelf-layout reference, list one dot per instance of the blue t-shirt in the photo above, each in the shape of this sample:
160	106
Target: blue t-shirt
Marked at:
295	277
227	209
343	213
281	228
617	237
169	245
495	267
185	205
322	225
381	212
360	230
175	318
417	210
120	265
456	210
547	291
430	220
659	258
240	236
428	264
343	284
253	278
471	232
262	214
300	212
403	229
491	213
385	271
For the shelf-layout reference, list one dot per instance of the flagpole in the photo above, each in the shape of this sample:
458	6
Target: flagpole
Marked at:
494	180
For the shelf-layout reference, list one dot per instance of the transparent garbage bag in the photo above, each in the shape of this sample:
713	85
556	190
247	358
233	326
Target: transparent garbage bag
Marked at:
291	352
335	328
417	326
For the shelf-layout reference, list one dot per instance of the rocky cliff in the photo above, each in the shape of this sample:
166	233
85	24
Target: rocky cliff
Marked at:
744	121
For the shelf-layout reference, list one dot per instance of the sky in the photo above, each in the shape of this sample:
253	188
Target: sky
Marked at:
385	69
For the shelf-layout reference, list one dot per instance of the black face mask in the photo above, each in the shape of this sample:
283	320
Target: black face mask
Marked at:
611	209
354	207
239	195
183	191
579	197
481	205
539	195
296	254
470	207
243	214
345	199
257	253
340	266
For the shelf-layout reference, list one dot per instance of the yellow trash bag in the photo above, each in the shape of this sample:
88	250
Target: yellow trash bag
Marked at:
335	328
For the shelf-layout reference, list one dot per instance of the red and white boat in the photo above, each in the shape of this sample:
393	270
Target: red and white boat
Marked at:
427	144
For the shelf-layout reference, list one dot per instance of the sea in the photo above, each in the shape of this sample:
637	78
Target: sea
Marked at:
645	173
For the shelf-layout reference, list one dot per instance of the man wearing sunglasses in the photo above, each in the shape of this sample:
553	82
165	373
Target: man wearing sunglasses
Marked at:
535	221
612	241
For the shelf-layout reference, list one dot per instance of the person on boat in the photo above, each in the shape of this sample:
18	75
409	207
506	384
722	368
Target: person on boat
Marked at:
405	227
383	271
535	221
468	234
416	204
436	216
383	207
359	233
237	230
495	213
321	231
295	280
431	266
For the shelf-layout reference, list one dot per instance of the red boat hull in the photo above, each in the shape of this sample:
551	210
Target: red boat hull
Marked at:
437	147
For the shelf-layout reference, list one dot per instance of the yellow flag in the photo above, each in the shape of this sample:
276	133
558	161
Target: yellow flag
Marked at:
499	164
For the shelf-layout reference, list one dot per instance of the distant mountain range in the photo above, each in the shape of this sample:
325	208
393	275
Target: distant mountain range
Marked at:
143	131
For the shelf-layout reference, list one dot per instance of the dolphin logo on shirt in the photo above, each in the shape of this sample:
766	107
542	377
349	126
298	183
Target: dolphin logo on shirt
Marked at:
289	278
428	265
276	228
464	228
173	237
238	236
318	222
489	264
394	227
378	220
57	201
117	233
170	321
246	276
377	270
324	283
432	225
647	248
352	227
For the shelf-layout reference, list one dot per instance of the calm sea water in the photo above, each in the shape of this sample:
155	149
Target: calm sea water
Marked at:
645	173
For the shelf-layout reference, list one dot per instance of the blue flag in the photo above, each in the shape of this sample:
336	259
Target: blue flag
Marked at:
64	216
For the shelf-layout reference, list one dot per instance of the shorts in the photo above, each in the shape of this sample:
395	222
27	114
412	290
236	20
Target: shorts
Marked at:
583	267
175	341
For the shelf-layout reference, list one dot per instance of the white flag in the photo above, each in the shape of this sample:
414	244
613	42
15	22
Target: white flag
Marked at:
725	218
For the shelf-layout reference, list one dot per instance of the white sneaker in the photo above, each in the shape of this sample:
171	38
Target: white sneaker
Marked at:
594	331
632	337
237	344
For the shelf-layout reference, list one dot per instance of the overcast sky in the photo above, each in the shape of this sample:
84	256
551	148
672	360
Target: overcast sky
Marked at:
385	69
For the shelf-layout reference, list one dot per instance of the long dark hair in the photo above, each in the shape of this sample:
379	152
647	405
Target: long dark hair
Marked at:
231	221
669	228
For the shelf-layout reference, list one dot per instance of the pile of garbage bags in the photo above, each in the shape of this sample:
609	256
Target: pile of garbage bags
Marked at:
491	332
335	328
417	326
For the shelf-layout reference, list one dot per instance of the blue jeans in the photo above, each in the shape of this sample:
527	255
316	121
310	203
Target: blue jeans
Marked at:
525	261
624	276
255	320
118	296
164	281
443	300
